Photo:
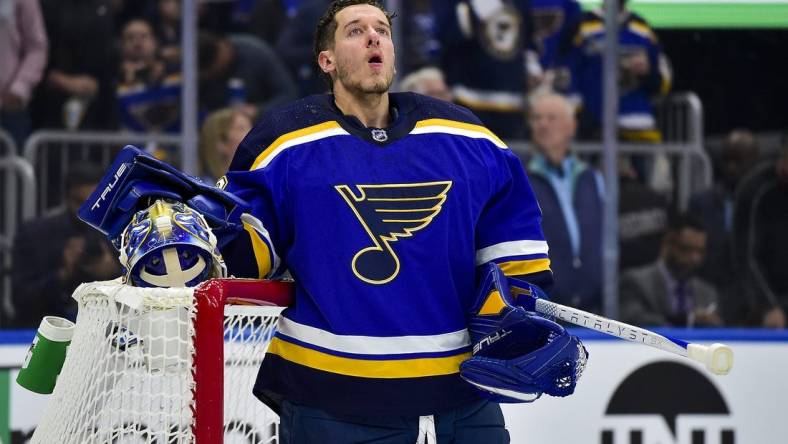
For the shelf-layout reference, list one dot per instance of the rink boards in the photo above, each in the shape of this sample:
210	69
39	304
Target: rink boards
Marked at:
629	394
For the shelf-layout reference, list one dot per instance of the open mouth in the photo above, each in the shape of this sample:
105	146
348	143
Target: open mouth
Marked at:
375	61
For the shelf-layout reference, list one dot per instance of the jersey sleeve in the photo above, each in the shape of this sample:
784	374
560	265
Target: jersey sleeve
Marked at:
257	252
509	230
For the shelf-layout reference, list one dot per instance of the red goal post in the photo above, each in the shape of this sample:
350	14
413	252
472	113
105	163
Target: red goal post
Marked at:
171	365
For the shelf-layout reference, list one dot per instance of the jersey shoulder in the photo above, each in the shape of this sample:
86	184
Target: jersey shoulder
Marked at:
280	121
636	24
430	116
423	107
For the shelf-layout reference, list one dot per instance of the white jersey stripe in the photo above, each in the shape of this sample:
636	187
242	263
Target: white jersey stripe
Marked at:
265	236
374	345
301	140
513	248
458	132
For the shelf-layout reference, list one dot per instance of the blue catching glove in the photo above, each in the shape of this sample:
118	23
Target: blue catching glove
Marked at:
517	355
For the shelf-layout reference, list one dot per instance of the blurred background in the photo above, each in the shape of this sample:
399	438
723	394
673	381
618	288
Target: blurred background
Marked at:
654	132
687	132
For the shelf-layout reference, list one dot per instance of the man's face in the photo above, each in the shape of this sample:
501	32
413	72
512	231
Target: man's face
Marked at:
552	127
685	252
139	44
362	59
737	160
239	126
170	10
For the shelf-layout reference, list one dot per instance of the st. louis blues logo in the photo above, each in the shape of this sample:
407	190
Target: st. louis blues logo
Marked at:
389	212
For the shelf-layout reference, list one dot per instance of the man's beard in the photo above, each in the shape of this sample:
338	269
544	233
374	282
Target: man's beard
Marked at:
379	86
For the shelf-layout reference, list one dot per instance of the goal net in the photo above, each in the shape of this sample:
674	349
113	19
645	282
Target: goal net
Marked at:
166	365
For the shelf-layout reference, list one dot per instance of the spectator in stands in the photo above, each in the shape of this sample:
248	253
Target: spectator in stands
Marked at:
241	70
53	254
644	73
294	45
23	51
484	47
643	216
167	25
760	221
715	208
668	292
428	81
417	46
570	195
149	89
125	10
552	22
78	90
220	135
270	18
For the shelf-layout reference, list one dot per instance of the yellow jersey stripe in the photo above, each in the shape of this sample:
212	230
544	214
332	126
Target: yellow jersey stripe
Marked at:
478	105
519	268
262	254
645	135
384	369
308	134
643	31
591	28
467	129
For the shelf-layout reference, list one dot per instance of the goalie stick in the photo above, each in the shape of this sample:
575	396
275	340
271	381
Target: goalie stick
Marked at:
718	358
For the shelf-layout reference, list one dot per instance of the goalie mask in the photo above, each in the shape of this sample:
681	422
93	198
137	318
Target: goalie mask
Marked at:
169	245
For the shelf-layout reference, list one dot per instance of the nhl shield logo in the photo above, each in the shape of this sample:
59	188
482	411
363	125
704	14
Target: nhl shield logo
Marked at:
380	135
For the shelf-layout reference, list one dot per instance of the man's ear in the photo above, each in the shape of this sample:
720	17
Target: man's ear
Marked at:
326	61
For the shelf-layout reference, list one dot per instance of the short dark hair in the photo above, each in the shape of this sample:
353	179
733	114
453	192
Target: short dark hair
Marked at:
680	221
327	26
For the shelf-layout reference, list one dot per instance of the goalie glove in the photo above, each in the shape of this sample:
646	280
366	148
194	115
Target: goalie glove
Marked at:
517	355
496	296
136	179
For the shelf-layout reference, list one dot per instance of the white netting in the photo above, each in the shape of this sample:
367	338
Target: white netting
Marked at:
128	374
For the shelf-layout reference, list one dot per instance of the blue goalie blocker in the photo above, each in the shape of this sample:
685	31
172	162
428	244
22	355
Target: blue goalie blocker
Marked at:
135	179
518	355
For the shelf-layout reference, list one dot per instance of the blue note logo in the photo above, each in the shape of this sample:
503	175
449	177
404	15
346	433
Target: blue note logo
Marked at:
388	213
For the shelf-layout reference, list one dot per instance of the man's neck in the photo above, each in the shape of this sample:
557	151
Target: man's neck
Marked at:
555	159
372	110
673	273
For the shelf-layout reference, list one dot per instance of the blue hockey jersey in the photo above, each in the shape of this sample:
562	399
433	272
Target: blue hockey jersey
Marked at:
635	112
485	61
150	106
383	230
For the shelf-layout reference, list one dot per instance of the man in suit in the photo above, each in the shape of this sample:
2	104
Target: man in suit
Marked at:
570	195
668	292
